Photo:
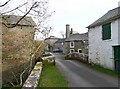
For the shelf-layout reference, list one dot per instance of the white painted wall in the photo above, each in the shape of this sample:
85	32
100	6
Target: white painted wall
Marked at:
101	51
118	31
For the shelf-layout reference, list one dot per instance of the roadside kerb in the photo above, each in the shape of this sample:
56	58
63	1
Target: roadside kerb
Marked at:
50	59
33	78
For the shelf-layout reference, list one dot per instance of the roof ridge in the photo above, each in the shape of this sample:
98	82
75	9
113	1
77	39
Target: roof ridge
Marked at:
114	8
107	17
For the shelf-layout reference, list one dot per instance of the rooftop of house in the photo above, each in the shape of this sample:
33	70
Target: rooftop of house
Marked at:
13	19
51	37
60	40
77	36
108	17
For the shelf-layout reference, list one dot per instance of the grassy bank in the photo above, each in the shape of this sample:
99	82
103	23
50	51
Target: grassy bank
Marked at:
51	77
101	69
104	70
96	67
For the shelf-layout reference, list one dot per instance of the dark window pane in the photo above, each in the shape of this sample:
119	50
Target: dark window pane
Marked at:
80	51
106	31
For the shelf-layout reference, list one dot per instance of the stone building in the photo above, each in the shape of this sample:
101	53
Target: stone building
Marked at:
17	44
75	42
19	38
50	41
59	44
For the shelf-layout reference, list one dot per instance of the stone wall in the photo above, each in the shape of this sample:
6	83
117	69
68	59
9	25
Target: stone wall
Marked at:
17	47
17	42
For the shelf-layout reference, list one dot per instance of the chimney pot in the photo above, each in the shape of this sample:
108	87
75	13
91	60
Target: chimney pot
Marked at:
71	32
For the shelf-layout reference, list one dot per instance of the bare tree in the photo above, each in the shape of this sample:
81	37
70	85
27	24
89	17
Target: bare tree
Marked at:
4	3
38	9
62	33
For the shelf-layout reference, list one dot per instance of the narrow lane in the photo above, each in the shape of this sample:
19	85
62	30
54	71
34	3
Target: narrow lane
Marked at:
79	75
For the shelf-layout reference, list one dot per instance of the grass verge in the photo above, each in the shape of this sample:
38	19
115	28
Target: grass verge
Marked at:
104	70
51	77
101	69
98	68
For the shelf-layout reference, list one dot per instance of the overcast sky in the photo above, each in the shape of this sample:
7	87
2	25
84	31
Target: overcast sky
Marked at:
78	13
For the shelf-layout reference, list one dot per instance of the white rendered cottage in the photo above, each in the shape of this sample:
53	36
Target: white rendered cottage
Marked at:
104	40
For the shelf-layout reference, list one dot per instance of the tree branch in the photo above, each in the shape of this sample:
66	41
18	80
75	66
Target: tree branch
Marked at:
14	8
33	6
21	75
5	3
15	77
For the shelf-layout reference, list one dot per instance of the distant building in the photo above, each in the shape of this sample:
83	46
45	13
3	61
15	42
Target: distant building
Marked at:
75	42
59	44
104	40
50	41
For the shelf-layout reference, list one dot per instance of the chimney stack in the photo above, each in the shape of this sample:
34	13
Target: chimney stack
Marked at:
67	30
71	32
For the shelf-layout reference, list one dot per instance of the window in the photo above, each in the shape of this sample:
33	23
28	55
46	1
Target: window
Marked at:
71	50
71	44
86	47
106	31
79	50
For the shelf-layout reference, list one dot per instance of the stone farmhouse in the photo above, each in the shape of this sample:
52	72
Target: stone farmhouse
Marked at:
75	42
17	44
19	37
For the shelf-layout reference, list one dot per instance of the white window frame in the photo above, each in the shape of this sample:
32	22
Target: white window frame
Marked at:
86	47
72	46
62	43
79	49
72	49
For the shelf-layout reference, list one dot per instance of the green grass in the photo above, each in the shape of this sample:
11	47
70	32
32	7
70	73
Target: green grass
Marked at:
101	69
51	77
98	68
105	70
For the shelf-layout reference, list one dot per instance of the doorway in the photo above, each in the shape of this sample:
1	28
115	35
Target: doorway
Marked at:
117	58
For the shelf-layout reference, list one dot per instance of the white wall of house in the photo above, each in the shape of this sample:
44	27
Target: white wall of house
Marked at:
119	31
101	51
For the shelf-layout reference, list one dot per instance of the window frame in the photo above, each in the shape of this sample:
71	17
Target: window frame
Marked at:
79	49
106	31
72	49
72	46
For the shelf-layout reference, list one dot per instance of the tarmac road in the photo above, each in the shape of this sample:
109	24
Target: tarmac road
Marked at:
80	75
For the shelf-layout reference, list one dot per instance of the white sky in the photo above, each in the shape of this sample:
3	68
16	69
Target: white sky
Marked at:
78	13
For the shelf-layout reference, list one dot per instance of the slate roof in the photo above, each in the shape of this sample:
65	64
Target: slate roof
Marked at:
51	37
60	40
108	17
12	20
77	37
